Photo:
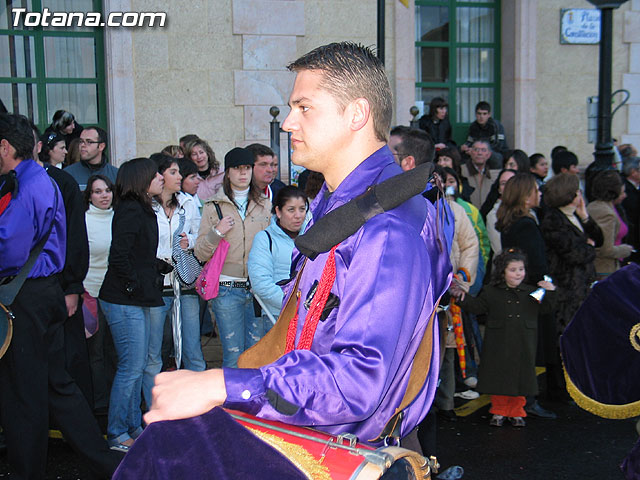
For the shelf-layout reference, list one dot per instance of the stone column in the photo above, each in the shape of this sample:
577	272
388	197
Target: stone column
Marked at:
118	55
269	29
405	61
631	80
518	89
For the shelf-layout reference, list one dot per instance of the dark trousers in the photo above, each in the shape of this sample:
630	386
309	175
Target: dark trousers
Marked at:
103	361
76	353
35	384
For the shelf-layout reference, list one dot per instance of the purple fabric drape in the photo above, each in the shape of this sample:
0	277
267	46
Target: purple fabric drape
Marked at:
209	446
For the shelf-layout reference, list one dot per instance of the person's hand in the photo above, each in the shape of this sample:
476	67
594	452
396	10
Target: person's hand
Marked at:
225	224
581	208
185	394
591	242
440	146
547	285
465	148
184	241
626	250
456	291
72	303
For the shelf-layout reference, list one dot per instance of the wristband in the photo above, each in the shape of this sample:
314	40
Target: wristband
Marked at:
218	233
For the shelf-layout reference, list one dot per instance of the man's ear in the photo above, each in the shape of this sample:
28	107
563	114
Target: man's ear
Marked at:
408	163
359	113
102	146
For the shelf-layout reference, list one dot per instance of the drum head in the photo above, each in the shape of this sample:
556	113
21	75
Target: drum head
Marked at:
6	330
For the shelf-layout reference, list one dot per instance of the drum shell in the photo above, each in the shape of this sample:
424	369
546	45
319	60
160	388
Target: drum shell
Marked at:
327	457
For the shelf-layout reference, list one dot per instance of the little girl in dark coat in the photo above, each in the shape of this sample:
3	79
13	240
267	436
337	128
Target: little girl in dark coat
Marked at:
507	365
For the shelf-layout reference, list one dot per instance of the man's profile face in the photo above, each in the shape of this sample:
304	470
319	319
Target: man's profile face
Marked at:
482	116
319	126
90	147
480	153
264	170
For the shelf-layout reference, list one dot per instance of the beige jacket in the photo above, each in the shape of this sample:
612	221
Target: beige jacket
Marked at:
481	182
465	247
240	237
607	255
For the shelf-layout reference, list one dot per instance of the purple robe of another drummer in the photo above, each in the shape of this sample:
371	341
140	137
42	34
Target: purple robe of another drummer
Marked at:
389	276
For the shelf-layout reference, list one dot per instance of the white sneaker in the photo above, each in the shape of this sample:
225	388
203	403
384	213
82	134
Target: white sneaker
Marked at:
471	382
467	395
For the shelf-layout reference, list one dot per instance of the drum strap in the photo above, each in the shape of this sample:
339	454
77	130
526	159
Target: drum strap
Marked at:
417	377
276	342
272	346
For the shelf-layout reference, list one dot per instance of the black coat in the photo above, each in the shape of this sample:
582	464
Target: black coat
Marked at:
132	276
507	364
525	235
76	262
440	132
570	260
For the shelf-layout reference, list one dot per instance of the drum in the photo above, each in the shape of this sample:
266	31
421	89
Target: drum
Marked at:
320	456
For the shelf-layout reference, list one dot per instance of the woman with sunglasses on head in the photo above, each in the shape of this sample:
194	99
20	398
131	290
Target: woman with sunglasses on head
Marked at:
132	285
178	217
54	149
244	211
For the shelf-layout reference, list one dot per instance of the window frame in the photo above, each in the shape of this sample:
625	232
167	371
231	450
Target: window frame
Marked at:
459	129
40	80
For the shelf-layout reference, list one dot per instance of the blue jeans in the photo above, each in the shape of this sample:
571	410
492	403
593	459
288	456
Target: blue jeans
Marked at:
191	346
129	327
233	308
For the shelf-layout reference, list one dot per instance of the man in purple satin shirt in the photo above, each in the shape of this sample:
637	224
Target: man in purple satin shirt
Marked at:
389	274
34	384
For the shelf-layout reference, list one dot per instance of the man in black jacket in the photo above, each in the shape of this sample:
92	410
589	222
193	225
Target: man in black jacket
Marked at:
75	270
487	128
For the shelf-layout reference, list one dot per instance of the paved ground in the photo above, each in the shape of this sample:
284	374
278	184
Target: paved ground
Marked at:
576	446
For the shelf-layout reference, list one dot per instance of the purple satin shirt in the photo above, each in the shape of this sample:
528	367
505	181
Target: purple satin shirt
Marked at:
389	275
26	220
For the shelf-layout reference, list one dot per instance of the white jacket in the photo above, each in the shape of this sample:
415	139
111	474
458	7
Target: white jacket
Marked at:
168	226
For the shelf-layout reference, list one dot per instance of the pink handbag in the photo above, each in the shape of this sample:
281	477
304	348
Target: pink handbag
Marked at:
208	281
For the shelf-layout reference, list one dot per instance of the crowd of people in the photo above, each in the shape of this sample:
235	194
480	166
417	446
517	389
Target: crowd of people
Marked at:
534	230
525	249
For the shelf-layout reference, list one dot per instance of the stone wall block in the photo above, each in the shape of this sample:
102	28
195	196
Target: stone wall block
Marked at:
633	112
631	82
262	87
257	121
263	52
634	58
631	27
268	17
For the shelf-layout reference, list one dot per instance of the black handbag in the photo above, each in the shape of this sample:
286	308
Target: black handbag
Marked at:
9	291
185	264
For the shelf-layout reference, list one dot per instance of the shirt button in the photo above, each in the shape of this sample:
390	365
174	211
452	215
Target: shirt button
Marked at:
517	316
508	301
246	395
510	316
517	301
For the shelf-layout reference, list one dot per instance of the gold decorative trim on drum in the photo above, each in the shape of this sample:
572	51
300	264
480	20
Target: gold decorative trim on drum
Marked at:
320	456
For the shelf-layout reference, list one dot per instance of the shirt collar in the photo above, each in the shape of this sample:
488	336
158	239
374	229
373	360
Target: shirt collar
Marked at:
363	176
